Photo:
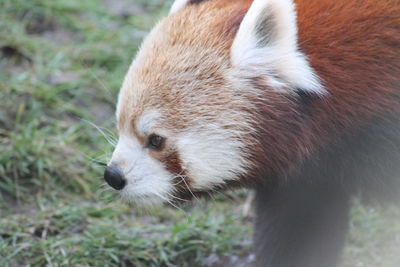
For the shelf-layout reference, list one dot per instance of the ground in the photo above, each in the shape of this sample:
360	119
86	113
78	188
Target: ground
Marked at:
61	65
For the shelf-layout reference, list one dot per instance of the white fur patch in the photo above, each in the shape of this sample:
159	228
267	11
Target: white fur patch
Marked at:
178	5
280	60
147	121
147	180
211	156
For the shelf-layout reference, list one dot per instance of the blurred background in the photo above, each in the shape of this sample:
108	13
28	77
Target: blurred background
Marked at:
61	65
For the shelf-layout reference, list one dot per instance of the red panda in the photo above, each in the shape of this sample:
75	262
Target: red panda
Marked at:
298	99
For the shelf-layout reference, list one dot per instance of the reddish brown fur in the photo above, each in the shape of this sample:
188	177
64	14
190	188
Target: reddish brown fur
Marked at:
171	161
354	48
222	23
352	45
170	158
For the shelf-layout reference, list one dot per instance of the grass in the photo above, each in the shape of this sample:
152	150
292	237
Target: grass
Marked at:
99	235
61	65
374	238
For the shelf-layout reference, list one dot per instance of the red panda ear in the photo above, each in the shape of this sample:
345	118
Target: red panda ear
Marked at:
180	4
266	45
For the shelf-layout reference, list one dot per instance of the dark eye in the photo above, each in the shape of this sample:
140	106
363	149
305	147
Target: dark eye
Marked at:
155	142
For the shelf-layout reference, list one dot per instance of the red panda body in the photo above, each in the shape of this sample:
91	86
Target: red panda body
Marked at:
304	107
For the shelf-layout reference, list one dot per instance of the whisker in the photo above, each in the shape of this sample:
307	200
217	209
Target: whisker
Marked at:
110	133
185	200
167	200
96	160
96	77
187	186
211	196
109	139
180	181
102	190
104	184
99	164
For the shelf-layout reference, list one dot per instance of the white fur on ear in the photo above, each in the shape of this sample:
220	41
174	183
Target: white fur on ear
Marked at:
178	5
266	45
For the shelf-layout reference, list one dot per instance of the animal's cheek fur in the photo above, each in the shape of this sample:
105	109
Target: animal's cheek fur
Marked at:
172	162
170	159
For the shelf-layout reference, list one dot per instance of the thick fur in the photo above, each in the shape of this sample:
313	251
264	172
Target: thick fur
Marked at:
301	100
183	73
302	216
345	142
354	49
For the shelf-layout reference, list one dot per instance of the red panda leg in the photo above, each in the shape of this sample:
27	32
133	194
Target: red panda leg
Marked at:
301	225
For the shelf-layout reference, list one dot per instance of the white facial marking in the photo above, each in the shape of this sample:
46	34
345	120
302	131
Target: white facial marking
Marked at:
279	59
211	156
148	121
147	180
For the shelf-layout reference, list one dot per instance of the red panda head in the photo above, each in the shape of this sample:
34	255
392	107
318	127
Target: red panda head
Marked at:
187	111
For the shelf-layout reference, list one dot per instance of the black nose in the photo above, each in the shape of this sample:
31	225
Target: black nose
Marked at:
114	177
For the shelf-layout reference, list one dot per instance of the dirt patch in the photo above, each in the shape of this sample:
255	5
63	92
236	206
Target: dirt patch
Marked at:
48	27
61	36
15	208
63	77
